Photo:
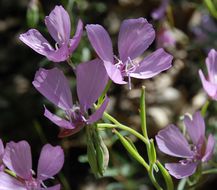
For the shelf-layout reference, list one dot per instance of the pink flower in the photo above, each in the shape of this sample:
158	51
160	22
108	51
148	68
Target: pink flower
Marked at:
210	83
172	142
59	26
18	159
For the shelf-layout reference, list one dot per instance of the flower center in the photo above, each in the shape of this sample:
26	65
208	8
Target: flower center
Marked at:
126	68
33	184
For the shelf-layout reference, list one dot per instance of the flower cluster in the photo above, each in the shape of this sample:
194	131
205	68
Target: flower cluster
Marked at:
92	83
16	157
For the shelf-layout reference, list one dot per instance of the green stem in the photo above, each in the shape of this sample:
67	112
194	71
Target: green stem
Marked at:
210	171
204	108
137	156
166	175
101	98
143	113
125	128
131	150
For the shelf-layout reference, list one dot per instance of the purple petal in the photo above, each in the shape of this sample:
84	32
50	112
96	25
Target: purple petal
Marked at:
58	120
36	41
114	73
209	149
98	113
56	187
59	25
60	54
91	81
210	88
195	127
159	13
54	86
1	150
171	141
9	183
153	64
211	63
50	162
18	158
134	38
101	42
73	43
180	171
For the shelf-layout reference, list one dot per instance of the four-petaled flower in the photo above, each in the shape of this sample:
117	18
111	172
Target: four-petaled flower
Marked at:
134	38
18	159
210	84
59	26
91	81
172	142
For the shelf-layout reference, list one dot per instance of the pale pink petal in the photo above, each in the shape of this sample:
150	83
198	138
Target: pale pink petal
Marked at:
210	88
73	43
50	162
54	86
180	171
134	38
211	63
1	150
36	41
153	64
172	142
59	25
18	158
210	145
195	127
9	183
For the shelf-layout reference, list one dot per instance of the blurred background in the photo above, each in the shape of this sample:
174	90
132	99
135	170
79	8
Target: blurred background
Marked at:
187	30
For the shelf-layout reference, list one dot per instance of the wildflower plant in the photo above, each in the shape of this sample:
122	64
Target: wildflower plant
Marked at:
87	111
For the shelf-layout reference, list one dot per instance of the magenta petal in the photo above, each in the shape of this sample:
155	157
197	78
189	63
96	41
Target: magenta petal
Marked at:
36	41
9	183
91	81
101	42
159	13
50	162
211	89
59	25
180	171
153	64
98	113
18	158
195	127
209	149
73	43
56	187
171	141
134	38
54	86
211	63
58	120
